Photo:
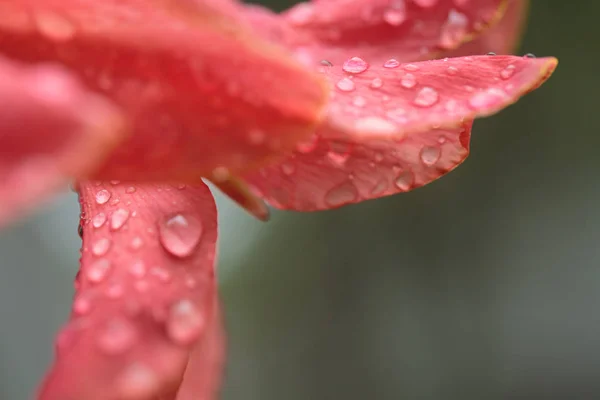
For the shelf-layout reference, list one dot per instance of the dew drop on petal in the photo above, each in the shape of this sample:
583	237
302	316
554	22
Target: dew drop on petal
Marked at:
376	83
288	168
98	220
185	322
355	65
137	382
411	67
101	246
391	63
452	70
115	290
130	189
508	72
408	81
138	269
345	85
376	126
395	15
180	234
359	101
337	159
54	26
404	181
136	243
118	218
309	145
82	305
430	155
117	336
486	99
341	194
102	196
454	29
98	270
426	97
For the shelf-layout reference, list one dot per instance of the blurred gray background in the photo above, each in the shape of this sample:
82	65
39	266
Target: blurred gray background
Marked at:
482	285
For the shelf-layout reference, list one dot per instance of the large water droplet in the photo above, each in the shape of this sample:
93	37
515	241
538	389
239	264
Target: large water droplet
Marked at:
345	85
341	194
102	196
118	336
101	246
404	181
355	65
426	97
430	155
185	322
98	270
118	218
179	234
411	67
98	220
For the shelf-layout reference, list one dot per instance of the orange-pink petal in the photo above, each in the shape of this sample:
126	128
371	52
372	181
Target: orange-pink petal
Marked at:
51	129
145	296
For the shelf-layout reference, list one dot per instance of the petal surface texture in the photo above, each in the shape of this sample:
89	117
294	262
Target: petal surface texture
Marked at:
145	296
199	90
51	129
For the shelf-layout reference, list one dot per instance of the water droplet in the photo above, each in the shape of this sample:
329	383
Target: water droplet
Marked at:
82	305
185	322
404	181
288	168
98	220
337	159
376	83
118	218
102	196
411	67
114	182
138	269
391	63
100	247
137	382
162	274
430	155
309	145
491	53
408	81
118	336
54	26
301	14
452	70
376	126
508	72
345	85
380	187
221	174
80	230
396	14
115	291
256	136
359	101
98	270
378	157
426	97
341	194
130	189
180	234
454	29
355	65
487	99
529	55
326	63
136	243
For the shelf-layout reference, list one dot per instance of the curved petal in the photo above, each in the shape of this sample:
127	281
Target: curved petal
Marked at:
397	100
501	38
332	173
51	129
145	294
199	90
407	30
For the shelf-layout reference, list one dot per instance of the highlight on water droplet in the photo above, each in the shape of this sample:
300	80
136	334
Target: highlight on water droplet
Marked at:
185	322
180	234
118	218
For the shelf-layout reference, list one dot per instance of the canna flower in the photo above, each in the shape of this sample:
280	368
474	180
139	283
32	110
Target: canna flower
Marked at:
327	104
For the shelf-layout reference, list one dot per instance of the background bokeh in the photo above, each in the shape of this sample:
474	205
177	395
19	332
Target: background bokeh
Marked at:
482	285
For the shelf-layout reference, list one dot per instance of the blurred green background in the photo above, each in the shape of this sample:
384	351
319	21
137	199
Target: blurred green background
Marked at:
482	285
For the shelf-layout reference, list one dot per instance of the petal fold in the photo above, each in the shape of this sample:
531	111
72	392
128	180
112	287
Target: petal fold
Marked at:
145	296
51	129
199	89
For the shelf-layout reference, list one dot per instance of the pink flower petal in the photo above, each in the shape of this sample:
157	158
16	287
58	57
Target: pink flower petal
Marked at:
198	89
407	30
394	129
146	295
51	129
503	37
329	174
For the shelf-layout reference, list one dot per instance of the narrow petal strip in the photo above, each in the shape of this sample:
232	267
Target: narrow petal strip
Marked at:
199	89
51	129
145	296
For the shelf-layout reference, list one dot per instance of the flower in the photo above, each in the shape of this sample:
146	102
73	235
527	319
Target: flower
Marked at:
329	103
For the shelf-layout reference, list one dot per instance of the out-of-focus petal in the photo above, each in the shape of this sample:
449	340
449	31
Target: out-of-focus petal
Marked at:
394	129
51	129
503	37
397	100
407	30
145	295
199	89
329	174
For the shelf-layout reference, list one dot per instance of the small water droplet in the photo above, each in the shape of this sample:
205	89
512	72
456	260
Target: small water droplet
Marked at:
82	305
391	63
408	81
337	159
508	72
452	70
326	63
345	85
309	145
98	270
376	126
487	99
355	65
185	322
288	168
454	29
136	243
115	291
118	219
54	26
491	53
115	182
137	382
162	274
396	14
180	234
130	189
378	157
404	181
529	55
117	336
376	83
98	220
101	246
138	269
359	101
102	196
341	194
380	187
256	136
430	155
411	67
426	97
